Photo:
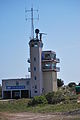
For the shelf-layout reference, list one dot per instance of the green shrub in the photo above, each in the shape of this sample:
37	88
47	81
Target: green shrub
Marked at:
50	97
73	97
38	100
55	97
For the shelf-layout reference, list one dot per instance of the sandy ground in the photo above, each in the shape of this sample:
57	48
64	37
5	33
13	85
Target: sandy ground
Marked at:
38	116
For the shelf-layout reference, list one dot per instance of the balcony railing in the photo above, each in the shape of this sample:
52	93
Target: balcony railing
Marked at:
56	69
57	60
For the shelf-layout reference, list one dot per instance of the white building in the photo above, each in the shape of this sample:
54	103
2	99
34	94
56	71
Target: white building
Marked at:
43	72
16	88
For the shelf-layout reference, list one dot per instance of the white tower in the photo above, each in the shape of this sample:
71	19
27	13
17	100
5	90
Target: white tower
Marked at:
36	65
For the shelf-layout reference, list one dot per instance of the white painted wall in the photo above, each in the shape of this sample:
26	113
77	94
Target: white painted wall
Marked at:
36	52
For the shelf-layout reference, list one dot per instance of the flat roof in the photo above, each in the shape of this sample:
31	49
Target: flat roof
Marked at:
17	79
50	51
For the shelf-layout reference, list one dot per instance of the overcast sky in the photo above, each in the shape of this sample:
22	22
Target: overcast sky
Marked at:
60	19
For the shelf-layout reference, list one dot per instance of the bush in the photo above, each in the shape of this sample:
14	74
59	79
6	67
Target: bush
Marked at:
38	100
50	97
72	84
55	97
62	95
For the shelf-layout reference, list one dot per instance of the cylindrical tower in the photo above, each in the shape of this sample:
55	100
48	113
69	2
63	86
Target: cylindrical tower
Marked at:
36	65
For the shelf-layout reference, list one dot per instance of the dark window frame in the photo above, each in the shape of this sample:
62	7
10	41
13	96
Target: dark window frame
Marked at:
34	68
35	78
34	58
35	91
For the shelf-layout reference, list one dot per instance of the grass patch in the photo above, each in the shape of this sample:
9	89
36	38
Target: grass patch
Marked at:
22	106
55	108
14	105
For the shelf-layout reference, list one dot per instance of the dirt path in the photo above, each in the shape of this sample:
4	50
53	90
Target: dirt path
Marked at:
38	116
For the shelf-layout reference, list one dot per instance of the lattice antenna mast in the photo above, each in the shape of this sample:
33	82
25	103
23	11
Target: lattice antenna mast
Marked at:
32	31
32	22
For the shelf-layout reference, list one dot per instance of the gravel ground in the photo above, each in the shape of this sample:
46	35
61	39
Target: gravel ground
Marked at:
38	116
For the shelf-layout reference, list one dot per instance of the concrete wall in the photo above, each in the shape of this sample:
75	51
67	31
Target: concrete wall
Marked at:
35	52
12	82
49	81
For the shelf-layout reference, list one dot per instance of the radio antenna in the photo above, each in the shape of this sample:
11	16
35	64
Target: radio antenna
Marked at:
32	23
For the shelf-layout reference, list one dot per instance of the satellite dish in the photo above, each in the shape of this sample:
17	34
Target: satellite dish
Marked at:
37	31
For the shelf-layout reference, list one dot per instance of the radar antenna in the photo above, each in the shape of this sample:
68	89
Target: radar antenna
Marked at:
41	35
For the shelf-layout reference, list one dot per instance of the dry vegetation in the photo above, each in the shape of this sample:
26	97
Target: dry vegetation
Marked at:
59	106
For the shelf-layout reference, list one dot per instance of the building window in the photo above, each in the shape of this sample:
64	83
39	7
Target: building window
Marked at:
47	56
35	86
54	66
43	56
34	58
35	91
34	68
17	83
35	78
47	66
54	56
27	82
6	83
35	45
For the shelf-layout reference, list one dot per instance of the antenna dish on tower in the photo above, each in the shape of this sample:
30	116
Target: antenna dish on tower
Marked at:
37	32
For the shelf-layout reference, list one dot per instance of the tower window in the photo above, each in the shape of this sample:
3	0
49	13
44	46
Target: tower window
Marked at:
47	56
35	86
54	56
34	58
35	45
34	68
35	77
35	91
47	66
54	65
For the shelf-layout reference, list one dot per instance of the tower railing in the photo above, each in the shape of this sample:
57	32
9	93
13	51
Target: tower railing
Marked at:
57	60
56	69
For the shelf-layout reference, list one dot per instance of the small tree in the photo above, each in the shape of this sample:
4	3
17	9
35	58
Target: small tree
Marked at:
49	96
72	84
55	97
60	82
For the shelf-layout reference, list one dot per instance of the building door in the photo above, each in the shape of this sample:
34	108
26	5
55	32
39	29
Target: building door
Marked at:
16	94
24	93
6	94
